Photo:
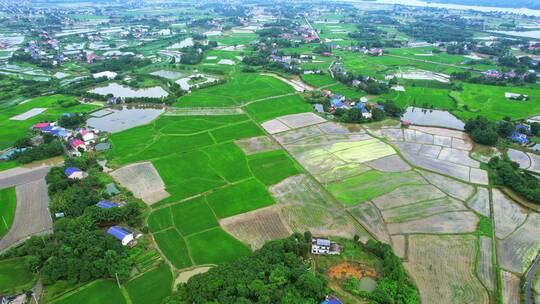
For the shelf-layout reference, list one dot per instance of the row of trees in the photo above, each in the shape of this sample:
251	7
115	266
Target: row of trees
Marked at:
508	173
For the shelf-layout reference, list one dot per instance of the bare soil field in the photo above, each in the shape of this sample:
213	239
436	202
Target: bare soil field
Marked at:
510	288
399	244
480	202
443	269
451	222
423	209
339	128
370	217
484	268
392	163
338	173
300	120
507	214
450	186
274	126
257	227
184	276
298	134
346	270
408	195
305	206
516	252
31	215
143	180
257	145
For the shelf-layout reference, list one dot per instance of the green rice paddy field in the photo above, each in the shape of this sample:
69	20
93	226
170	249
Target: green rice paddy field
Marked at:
211	166
13	129
151	287
97	292
15	276
8	204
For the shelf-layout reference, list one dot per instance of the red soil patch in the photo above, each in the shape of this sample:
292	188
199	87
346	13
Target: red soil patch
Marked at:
347	270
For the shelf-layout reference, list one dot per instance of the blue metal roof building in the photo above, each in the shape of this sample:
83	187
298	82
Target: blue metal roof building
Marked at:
107	204
121	234
70	170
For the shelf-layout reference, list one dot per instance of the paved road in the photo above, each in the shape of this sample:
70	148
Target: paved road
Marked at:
20	176
529	278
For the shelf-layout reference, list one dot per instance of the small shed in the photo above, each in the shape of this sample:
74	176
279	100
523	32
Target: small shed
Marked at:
74	173
123	235
102	147
107	204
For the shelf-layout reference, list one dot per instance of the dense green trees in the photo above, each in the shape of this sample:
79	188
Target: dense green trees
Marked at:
276	273
393	285
46	150
482	131
507	173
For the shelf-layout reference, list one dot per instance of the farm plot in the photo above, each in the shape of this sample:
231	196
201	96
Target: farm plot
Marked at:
517	251
408	195
370	217
31	214
392	163
101	291
239	89
270	108
449	186
535	162
293	121
215	246
184	276
8	204
484	268
519	157
255	145
510	288
480	202
158	280
257	227
15	276
174	247
143	180
428	260
422	209
305	206
450	222
193	216
507	214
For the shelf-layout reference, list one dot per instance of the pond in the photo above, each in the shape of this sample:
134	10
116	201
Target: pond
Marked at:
182	44
126	92
367	284
117	120
527	34
433	118
168	74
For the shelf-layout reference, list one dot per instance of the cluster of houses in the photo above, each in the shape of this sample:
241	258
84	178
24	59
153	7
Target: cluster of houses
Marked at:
338	101
499	75
125	236
78	141
521	133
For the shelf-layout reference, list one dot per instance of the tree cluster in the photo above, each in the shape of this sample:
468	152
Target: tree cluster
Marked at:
393	285
508	173
482	131
276	273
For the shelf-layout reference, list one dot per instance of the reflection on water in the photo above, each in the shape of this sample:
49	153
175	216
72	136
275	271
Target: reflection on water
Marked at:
434	118
125	117
118	90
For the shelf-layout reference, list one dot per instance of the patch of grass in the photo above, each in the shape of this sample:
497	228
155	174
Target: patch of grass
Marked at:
239	198
485	226
151	287
243	130
159	220
8	204
174	247
318	80
5	165
15	276
215	246
193	216
269	109
184	125
272	167
97	292
420	96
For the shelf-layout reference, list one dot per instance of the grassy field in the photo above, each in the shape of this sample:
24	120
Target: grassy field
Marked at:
174	247
268	109
238	90
272	167
97	292
419	96
193	216
489	101
15	276
215	246
13	130
8	204
151	287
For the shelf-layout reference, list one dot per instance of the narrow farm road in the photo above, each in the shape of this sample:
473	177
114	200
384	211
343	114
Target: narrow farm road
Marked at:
529	277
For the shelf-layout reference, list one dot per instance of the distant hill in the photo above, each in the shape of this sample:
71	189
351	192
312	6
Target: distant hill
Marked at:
532	4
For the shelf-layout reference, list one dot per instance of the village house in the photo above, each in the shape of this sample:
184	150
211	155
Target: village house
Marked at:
77	144
107	204
75	173
376	52
121	234
331	300
324	246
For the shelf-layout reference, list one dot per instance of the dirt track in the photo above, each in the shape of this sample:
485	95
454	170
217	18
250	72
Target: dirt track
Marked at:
32	214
